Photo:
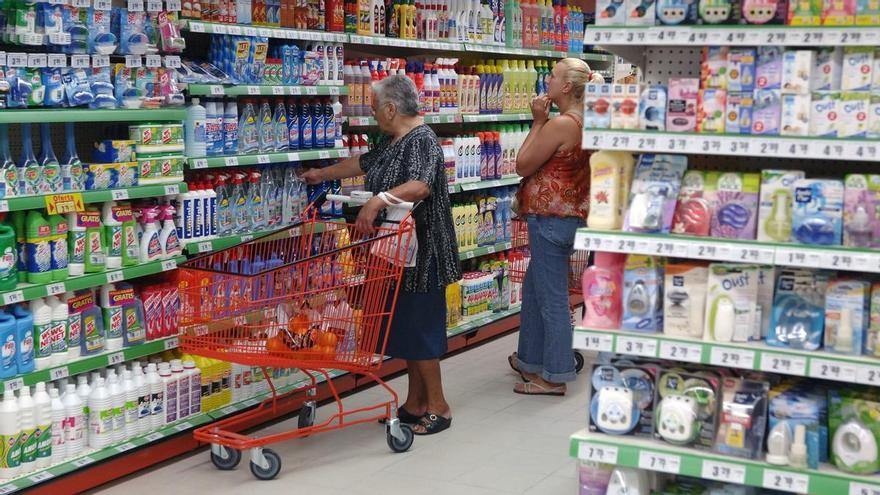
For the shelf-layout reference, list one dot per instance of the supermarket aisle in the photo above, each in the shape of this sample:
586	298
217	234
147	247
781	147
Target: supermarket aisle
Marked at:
500	443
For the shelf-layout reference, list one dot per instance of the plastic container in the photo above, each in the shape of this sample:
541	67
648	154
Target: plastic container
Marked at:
24	335
100	415
169	393
8	346
131	404
94	336
72	175
43	409
42	333
114	324
195	384
150	245
95	255
8	258
184	388
38	248
168	239
112	237
130	247
194	130
142	394
74	327
9	180
60	256
76	423
29	170
28	423
157	400
51	169
58	331
10	433
117	402
59	447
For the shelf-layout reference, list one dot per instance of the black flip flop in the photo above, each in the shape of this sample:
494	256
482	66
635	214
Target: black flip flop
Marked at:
433	423
405	417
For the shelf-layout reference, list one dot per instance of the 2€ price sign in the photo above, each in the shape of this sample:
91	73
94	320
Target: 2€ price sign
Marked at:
60	204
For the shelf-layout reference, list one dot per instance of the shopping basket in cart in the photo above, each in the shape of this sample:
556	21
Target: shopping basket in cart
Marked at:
316	296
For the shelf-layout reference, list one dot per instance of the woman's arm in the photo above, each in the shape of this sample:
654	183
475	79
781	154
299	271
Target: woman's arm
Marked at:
410	191
543	141
350	167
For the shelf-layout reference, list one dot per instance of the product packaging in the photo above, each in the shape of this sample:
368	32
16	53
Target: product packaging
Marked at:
861	203
743	418
642	294
113	151
764	11
792	409
623	399
686	408
625	106
857	68
693	213
652	108
714	68
855	431
641	12
734	204
681	115
739	113
597	106
818	211
867	13
872	340
805	13
839	12
798	310
603	291
824	116
657	179
874	117
610	13
826	72
847	305
711	105
766	289
675	12
768	67
766	112
731	303
776	203
795	119
853	112
741	69
684	299
719	11
797	68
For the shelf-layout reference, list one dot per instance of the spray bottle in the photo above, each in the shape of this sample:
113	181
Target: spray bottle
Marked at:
168	235
150	246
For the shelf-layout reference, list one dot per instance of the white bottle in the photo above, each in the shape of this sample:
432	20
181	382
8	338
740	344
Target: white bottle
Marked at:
77	244
117	403
43	408
100	416
194	130
83	389
169	393
114	332
59	447
131	401
28	423
183	388
113	236
157	400
142	394
10	433
42	314
150	245
209	209
171	246
60	354
75	424
195	387
74	329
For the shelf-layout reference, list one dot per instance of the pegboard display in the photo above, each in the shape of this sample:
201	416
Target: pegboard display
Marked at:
662	63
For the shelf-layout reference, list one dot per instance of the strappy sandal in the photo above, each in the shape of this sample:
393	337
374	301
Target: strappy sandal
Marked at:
404	416
433	423
512	360
534	388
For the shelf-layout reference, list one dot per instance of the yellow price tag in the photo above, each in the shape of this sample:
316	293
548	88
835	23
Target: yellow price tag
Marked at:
59	204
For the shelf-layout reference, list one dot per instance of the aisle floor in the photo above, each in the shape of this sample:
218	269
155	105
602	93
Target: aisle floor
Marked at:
499	443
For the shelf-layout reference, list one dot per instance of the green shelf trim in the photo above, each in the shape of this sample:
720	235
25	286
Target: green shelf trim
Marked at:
264	31
136	192
263	158
481	321
264	90
27	292
484	184
658	456
483	251
41	115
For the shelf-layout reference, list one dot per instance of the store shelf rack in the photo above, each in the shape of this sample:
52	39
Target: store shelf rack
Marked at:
662	457
732	35
451	118
484	184
264	90
266	32
84	197
755	356
732	144
41	115
483	251
27	292
481	321
264	158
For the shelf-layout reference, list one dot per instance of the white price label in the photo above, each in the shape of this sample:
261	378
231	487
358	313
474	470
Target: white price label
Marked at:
469	255
262	158
152	437
172	189
153	61
217	90
655	461
451	189
57	60
81	4
37	60
99	61
781	363
83	461
171	343
41	477
324	154
219	28
785	481
868	375
205	246
183	426
636	346
253	90
265	33
724	471
116	358
154	5
293	157
605	454
169	265
8	488
80	61
199	163
16	59
333	90
14	384
13	297
231	161
119	194
125	447
249	31
856	488
56	288
703	251
233	30
4	205
246	237
311	90
680	351
227	410
278	90
490	249
172	61
295	90
115	276
135	5
833	370
133	61
732	358
58	373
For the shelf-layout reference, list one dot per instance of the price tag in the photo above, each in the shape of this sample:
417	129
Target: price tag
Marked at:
204	247
41	477
795	257
680	351
217	90
840	261
594	342
82	461
119	194
16	59
785	481
262	158
311	90
234	30
115	276
490	249
324	154
249	31
703	251
183	426
58	373
196	27
636	346
116	358
57	60
38	60
833	370
333	90
14	384
278	90
469	255
169	265
152	437
253	90
8	488
133	61
293	157
868	375
856	488
724	471
265	33
781	363
125	447
171	343
219	28
56	288
860	151
231	161
4	205
154	5
246	237
655	461
172	189
296	91
99	61
227	410
80	61
605	454
732	358
198	162
136	5
13	297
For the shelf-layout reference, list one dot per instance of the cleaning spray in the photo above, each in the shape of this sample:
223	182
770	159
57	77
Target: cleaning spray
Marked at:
58	246
11	183
52	181
95	258
28	166
72	174
279	122
150	246
230	127
265	127
168	235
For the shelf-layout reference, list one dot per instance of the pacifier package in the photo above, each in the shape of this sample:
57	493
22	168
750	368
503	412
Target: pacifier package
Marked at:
847	304
642	293
739	113
764	11
818	211
719	11
711	104
731	302
693	213
684	299
734	203
855	431
743	418
775	208
656	182
798	318
622	401
686	408
652	108
861	204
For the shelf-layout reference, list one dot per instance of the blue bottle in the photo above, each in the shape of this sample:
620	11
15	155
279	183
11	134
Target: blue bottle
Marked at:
293	124
8	359
10	182
329	125
24	335
317	124
306	131
72	176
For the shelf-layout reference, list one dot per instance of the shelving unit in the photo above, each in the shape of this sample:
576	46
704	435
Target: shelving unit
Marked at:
733	35
263	90
80	114
264	158
86	197
483	251
484	184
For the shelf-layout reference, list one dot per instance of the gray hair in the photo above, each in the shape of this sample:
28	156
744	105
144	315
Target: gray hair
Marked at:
399	90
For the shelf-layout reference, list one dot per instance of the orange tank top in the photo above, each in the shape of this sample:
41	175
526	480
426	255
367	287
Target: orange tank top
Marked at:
561	187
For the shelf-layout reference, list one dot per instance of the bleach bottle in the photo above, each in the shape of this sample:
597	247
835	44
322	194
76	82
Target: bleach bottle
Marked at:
43	409
28	166
19	219
157	399
24	336
74	327
112	236
59	448
8	346
75	421
58	331
38	248
8	258
10	436
58	245
100	415
131	403
72	174
42	327
114	324
9	180
28	424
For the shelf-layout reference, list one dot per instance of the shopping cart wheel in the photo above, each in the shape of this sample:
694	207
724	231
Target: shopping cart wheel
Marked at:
400	445
578	362
265	463
307	414
225	458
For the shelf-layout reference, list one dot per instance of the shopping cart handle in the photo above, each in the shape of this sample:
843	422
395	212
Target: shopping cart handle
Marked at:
362	199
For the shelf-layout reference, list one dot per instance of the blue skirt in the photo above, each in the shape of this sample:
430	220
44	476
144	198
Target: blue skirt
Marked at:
418	329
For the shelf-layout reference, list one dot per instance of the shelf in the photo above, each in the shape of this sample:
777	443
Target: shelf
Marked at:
732	144
264	158
756	356
266	32
91	363
403	43
264	90
497	117
662	457
483	251
730	250
481	321
40	115
27	292
484	184
136	192
730	35
451	118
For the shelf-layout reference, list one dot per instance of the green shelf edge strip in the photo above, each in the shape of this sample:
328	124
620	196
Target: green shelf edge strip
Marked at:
710	135
484	184
264	158
148	191
264	90
29	292
483	251
481	321
628	452
42	115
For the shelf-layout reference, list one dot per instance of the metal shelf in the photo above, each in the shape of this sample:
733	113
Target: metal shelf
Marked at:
481	321
484	184
264	158
263	90
732	35
483	251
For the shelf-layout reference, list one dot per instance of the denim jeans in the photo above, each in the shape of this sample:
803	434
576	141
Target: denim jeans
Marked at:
545	333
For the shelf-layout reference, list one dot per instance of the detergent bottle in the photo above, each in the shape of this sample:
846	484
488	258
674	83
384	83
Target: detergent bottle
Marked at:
72	173
28	167
74	327
8	258
42	329
95	255
10	436
8	346
52	181
112	236
76	255
58	330
39	251
130	247
18	219
76	414
114	324
100	415
59	448
9	180
28	424
168	235
24	335
151	246
58	245
132	315
43	416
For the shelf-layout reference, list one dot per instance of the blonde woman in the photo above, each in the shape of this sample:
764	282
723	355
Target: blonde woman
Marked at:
554	199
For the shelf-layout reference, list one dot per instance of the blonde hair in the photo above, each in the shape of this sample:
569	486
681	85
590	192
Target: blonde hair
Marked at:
578	73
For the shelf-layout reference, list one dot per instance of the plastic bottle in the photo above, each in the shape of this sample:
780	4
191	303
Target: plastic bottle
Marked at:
168	235
265	127
248	135
230	127
74	326
42	330
169	392
43	416
157	399
28	424
113	319
58	330
58	228
10	435
72	174
151	245
24	337
318	127
38	248
112	236
29	172
240	212
51	181
214	139
100	415
184	390
293	125
8	258
255	203
194	130
142	394
306	126
209	205
279	125
56	410
130	410
130	248
9	179
8	346
117	404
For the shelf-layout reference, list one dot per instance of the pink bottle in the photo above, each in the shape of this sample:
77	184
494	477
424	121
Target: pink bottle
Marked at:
603	291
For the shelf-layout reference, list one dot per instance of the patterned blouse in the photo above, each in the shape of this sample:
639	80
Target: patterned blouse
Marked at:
418	156
561	187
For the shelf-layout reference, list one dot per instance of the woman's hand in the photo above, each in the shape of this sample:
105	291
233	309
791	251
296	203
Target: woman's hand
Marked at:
313	176
366	218
541	109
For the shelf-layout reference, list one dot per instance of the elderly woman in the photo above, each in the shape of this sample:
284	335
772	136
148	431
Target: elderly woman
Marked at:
408	163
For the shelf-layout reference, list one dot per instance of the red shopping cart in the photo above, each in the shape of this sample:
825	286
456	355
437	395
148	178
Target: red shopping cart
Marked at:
316	296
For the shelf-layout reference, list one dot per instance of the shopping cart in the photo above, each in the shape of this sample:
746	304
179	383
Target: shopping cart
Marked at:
520	264
315	296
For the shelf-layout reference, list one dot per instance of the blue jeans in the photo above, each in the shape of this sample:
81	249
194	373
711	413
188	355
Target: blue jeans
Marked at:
545	333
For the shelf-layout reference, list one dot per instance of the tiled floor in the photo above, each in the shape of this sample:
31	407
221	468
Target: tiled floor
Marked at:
500	443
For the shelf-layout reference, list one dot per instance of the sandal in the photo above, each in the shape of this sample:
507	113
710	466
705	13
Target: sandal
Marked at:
433	423
534	388
511	360
404	416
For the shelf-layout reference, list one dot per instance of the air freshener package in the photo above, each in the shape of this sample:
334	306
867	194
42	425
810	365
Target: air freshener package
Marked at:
684	299
642	294
775	208
731	302
693	213
734	204
656	182
798	318
818	211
